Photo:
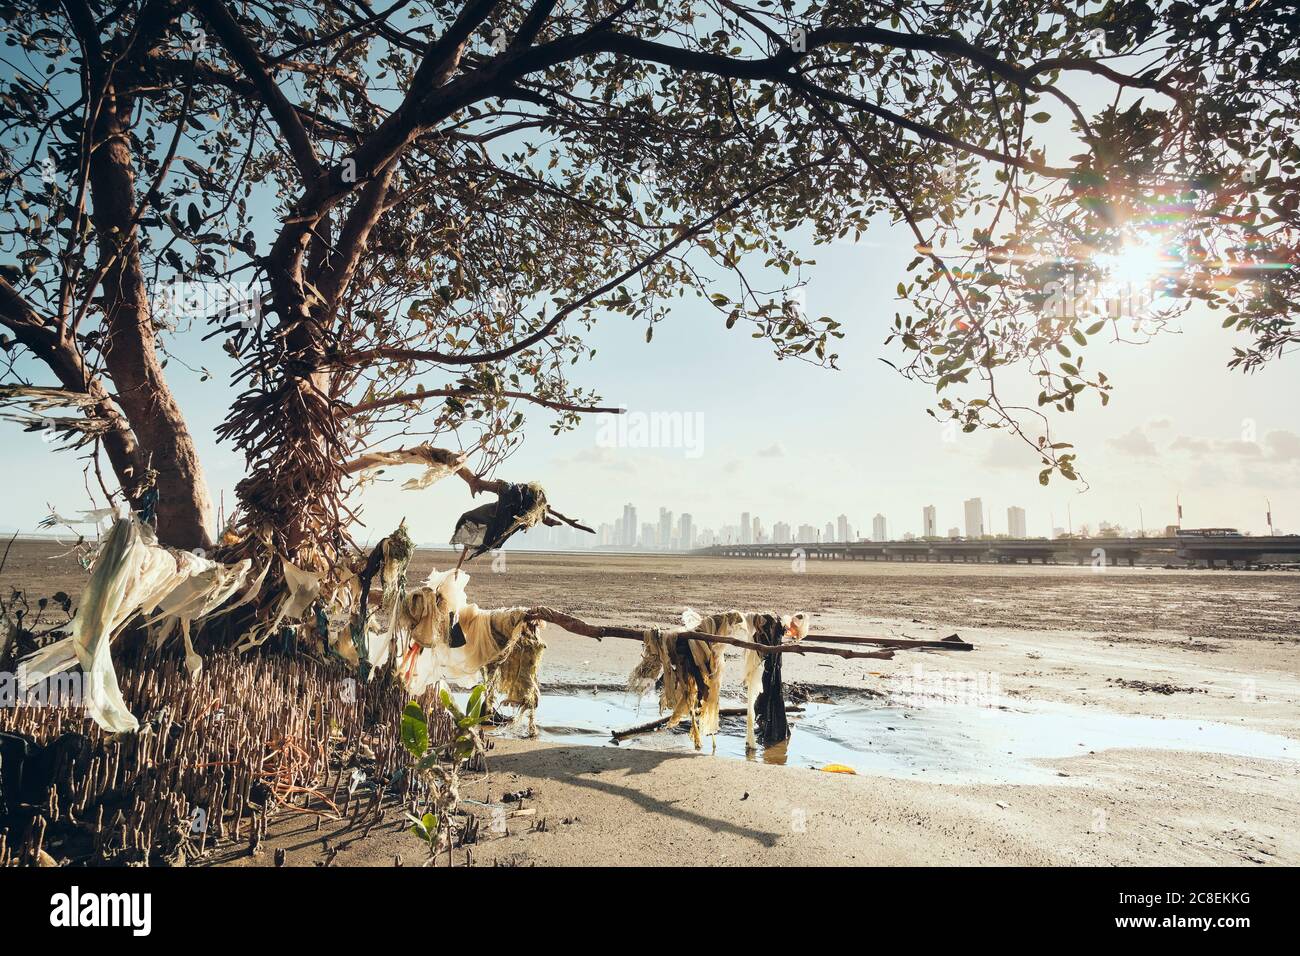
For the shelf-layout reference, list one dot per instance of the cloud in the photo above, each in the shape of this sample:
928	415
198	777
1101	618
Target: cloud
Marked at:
608	459
1283	445
1012	455
1247	449
1193	446
1134	443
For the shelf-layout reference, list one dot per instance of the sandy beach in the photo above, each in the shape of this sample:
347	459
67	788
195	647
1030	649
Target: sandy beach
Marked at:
1180	686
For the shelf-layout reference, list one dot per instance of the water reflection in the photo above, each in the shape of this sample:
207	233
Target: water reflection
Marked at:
945	743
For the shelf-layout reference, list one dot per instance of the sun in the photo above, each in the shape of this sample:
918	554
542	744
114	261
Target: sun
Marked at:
1139	262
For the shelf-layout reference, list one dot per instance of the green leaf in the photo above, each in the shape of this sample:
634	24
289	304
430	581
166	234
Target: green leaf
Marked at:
415	730
475	706
450	704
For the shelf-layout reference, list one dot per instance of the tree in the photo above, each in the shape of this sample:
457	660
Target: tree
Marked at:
408	215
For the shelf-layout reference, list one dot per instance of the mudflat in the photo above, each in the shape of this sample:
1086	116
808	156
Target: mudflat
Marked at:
1180	686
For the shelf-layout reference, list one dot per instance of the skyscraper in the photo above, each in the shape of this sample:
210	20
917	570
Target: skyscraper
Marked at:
665	529
1016	522
629	526
974	509
830	533
879	531
685	532
842	528
746	529
929	522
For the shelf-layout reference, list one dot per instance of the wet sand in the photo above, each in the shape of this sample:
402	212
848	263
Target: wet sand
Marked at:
1226	644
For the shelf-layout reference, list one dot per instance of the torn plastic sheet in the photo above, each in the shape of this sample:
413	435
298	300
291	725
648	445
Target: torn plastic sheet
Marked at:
301	589
513	676
763	684
465	643
438	462
691	670
207	585
518	507
132	574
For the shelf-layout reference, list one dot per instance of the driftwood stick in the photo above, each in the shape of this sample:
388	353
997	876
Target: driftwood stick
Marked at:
571	522
477	484
576	626
659	723
902	643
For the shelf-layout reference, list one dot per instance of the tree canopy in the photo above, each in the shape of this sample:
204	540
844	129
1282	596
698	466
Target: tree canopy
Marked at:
411	213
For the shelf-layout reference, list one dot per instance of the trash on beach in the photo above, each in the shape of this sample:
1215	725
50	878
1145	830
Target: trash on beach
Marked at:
518	507
368	617
440	638
690	671
438	462
689	668
132	574
838	768
764	693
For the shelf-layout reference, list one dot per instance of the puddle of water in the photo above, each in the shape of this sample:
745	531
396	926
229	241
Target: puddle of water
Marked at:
946	743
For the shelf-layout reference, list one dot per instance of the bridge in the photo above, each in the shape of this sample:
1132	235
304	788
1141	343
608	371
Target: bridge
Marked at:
1209	551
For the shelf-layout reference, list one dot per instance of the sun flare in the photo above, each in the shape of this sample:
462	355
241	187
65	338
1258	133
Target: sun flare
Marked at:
1138	262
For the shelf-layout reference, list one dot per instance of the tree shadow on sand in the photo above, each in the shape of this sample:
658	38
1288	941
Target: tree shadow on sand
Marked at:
586	766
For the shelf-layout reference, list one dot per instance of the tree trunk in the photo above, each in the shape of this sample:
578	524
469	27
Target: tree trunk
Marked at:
130	355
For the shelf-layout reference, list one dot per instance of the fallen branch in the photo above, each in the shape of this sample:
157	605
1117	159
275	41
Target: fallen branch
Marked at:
661	722
582	628
552	515
953	643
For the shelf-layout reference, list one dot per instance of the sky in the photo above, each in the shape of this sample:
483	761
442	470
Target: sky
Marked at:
787	441
790	442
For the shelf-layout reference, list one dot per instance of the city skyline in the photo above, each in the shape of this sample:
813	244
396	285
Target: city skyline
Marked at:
680	532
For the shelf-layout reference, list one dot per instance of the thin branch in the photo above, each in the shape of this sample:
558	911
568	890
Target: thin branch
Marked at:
245	54
481	358
415	397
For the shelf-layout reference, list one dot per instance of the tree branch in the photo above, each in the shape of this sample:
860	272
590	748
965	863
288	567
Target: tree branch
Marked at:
413	397
245	54
685	234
